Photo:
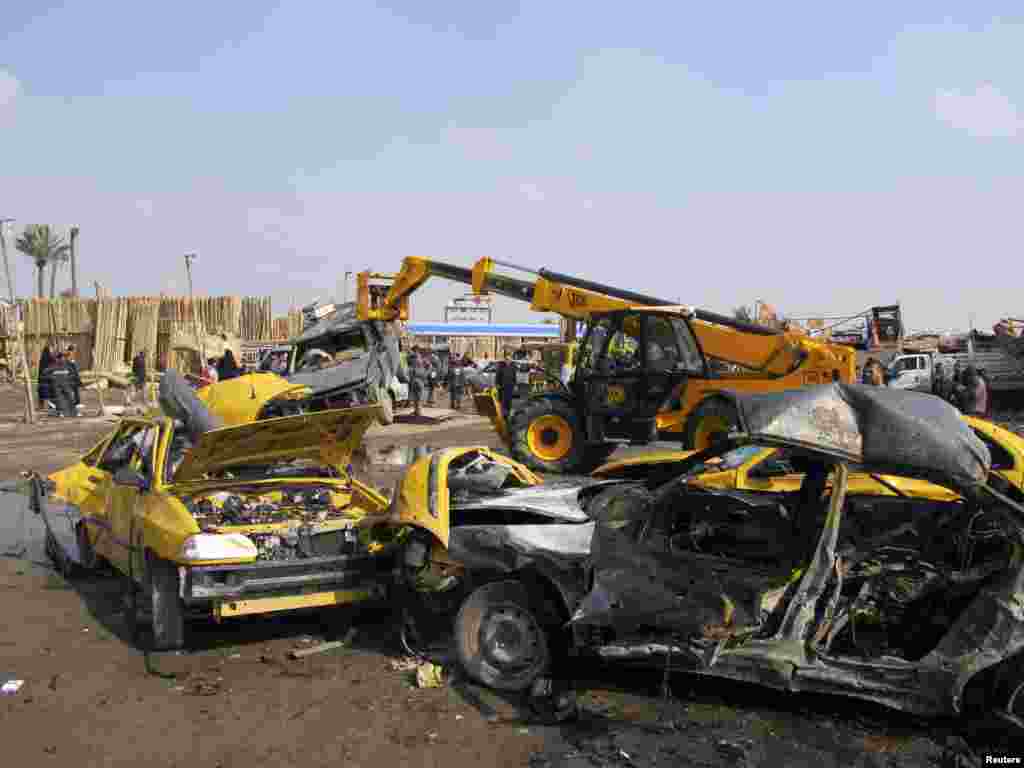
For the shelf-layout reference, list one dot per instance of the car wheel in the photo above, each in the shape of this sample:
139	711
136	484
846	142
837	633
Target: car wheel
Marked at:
86	551
168	607
712	420
546	435
499	640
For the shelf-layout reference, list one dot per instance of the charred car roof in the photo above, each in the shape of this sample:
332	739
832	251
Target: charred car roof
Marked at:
886	430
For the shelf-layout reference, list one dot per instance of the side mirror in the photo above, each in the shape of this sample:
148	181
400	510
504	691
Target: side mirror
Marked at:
131	478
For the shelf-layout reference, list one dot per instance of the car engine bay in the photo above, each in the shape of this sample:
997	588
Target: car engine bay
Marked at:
284	525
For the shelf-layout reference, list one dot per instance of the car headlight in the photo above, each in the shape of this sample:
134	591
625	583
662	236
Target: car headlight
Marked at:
218	546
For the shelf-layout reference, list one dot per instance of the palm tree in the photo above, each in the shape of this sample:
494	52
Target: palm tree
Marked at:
45	249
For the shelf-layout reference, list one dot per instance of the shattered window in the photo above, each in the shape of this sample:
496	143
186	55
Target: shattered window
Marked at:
122	448
775	465
1001	458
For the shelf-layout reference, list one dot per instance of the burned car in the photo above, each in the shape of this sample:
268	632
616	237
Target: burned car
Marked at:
221	521
344	362
911	602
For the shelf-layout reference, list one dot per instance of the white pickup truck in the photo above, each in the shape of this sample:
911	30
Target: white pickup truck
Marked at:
916	371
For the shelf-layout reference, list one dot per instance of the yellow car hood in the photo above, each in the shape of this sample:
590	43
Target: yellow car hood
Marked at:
328	436
239	400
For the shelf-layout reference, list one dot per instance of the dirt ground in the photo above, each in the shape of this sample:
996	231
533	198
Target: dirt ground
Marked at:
92	698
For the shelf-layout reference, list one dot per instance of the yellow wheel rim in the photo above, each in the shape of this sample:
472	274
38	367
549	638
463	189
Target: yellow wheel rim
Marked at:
549	438
708	427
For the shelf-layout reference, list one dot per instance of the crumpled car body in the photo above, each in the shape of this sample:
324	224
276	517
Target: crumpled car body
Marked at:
908	601
767	469
365	366
253	396
237	520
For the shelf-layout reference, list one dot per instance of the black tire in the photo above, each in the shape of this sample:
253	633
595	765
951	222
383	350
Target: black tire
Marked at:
168	608
89	559
525	428
499	640
706	422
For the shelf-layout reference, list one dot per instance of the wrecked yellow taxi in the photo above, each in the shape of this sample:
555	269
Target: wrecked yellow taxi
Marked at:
768	470
906	601
225	521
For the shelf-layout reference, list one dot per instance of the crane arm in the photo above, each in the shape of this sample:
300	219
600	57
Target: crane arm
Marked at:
762	351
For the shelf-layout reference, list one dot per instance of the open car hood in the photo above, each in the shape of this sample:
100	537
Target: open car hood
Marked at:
327	436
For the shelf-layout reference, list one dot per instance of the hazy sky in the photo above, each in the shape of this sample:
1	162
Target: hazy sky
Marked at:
821	156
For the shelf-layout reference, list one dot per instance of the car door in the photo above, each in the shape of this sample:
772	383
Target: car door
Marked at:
116	454
124	503
700	564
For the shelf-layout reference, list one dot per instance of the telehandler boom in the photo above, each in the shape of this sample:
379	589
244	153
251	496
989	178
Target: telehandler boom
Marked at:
646	368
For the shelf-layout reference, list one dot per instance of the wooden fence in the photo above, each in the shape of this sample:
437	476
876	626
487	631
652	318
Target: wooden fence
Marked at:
107	333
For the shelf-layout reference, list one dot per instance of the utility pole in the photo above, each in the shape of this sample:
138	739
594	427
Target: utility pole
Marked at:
74	261
30	406
344	288
189	257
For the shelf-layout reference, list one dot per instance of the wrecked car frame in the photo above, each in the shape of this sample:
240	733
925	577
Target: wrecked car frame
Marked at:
914	603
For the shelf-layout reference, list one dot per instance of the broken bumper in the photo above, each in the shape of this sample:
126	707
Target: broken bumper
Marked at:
278	586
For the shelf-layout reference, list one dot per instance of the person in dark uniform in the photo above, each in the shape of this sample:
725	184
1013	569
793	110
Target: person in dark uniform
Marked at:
228	368
505	381
45	363
62	386
76	376
417	380
456	384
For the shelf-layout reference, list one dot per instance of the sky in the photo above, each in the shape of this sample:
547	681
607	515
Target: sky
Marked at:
821	157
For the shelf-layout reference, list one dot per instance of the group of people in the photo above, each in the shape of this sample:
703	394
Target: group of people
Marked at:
967	388
60	382
429	370
221	368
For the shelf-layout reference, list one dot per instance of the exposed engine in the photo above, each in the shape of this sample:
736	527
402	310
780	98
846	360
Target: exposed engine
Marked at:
307	523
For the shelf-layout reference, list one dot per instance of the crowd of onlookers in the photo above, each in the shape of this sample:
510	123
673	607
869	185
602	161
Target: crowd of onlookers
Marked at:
60	382
967	387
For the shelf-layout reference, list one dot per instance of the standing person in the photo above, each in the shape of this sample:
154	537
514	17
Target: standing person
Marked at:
938	380
139	372
456	384
433	366
228	367
417	380
61	386
972	394
76	376
45	363
505	381
983	376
